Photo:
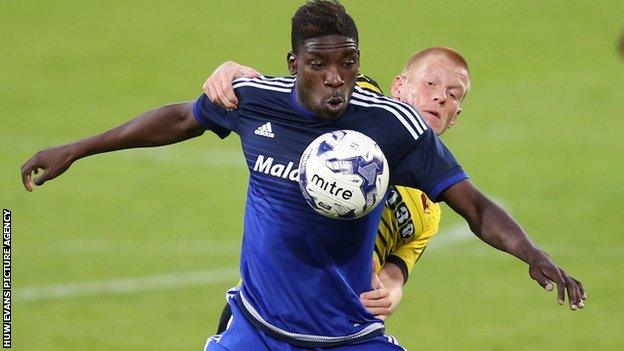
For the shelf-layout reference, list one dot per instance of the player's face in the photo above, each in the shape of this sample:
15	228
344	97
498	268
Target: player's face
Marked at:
435	87
326	69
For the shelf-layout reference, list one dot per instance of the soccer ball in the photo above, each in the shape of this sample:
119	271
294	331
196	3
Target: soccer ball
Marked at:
343	174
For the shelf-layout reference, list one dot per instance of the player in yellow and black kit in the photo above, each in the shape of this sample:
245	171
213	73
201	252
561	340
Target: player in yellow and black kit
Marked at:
408	222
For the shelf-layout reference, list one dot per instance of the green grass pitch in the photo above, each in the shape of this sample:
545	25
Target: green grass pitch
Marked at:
159	229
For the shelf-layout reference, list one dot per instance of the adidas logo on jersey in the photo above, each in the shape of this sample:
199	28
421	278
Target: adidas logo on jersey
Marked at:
265	130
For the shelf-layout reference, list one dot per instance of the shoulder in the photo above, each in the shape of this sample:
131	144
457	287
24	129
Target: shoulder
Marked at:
418	200
263	90
398	116
368	83
263	83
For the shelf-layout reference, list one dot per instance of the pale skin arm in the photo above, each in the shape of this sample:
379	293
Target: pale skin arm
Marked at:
162	126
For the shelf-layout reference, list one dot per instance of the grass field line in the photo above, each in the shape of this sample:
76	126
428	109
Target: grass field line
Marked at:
455	234
128	285
209	157
452	235
103	246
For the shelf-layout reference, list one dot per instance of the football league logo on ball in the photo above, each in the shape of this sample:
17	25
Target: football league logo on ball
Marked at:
343	174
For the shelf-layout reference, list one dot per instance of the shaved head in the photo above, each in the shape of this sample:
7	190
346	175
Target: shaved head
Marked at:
435	81
442	53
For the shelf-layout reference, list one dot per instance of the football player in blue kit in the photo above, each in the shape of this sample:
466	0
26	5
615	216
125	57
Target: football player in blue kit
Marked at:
302	272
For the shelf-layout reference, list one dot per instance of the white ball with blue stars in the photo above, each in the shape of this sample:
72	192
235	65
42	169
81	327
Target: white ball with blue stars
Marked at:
343	174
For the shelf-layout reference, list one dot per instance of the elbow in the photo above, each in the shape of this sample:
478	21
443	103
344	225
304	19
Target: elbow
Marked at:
475	217
186	125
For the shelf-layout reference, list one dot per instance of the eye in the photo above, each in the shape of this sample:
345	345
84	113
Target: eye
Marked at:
453	96
317	65
429	83
349	64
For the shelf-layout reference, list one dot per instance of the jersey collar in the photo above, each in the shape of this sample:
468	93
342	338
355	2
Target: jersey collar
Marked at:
294	101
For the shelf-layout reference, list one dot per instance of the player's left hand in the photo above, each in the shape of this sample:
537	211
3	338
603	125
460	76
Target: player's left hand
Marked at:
377	301
218	87
545	272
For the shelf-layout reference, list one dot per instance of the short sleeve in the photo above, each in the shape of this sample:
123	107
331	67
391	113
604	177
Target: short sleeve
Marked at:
214	117
428	165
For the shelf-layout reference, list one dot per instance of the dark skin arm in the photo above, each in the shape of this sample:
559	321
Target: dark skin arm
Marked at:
497	228
162	126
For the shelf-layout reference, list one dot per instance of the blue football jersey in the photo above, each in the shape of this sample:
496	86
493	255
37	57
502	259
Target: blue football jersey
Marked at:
303	272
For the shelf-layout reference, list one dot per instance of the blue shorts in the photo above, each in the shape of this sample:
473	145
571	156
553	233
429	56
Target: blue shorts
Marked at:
243	336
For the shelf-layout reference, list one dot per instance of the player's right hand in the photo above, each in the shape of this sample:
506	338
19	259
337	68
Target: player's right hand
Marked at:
218	87
53	161
377	301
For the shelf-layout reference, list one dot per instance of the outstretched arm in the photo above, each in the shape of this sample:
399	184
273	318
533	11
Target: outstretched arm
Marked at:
162	126
496	227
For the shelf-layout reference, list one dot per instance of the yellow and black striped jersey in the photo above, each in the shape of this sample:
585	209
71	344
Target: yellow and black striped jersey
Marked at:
368	83
408	222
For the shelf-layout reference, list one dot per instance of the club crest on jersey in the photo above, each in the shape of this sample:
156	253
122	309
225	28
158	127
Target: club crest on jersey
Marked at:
265	130
266	165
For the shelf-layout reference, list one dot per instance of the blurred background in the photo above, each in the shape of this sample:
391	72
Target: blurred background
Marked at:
134	250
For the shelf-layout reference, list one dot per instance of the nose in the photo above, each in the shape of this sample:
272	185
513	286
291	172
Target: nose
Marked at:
333	79
440	97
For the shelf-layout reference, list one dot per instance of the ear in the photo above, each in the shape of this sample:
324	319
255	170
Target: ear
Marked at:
454	119
291	61
397	86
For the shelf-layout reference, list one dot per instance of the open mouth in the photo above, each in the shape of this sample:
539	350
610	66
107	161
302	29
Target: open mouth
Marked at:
433	113
335	102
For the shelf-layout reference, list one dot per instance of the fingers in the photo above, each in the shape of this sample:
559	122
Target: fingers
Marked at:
26	170
376	294
377	302
541	279
575	296
382	304
206	88
227	96
380	313
47	174
249	72
566	284
546	274
218	88
581	289
210	91
26	181
558	279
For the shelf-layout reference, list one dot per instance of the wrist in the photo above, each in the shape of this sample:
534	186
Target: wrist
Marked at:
76	151
534	254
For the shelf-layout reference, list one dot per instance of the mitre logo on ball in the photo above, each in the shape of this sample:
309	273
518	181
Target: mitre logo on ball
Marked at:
343	174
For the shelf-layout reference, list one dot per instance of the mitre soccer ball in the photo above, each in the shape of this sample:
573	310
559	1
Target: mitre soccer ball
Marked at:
343	174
